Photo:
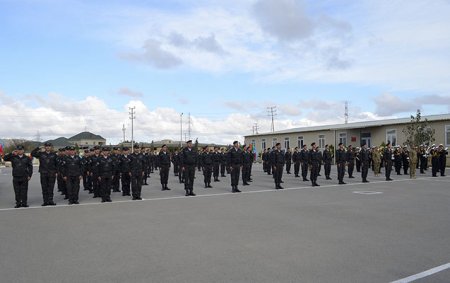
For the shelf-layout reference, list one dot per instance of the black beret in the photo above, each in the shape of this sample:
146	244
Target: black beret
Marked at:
20	147
61	149
115	148
125	149
96	147
313	143
86	151
106	148
235	142
340	144
70	148
164	145
48	144
278	144
91	150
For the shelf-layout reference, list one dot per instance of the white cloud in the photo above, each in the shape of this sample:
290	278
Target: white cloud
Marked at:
128	92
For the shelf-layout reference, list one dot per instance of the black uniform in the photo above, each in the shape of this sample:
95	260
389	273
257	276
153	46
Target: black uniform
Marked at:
87	179
176	164
288	159
235	159
72	171
62	187
405	161
358	161
22	171
327	158
247	159
137	164
217	158
388	157
434	162
442	161
364	157
397	162
206	161
116	180
350	163
189	160
125	172
164	163
48	168
266	162
223	164
304	160
94	173
106	171
277	160
314	161
296	161
341	159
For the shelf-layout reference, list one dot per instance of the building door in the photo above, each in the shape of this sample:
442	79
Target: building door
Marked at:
366	138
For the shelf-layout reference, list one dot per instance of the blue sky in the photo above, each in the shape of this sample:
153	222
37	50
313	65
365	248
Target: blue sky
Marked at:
70	65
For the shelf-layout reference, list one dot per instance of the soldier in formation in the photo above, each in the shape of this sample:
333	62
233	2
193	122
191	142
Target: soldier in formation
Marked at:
22	172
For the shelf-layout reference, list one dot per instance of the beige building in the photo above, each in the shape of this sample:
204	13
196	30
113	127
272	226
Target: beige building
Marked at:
370	132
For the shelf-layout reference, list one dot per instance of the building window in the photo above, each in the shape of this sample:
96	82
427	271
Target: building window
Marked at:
447	135
343	138
274	141
321	141
286	143
263	144
391	136
253	144
300	142
366	138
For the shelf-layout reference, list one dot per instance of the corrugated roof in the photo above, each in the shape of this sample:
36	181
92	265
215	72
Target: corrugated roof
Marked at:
355	125
86	136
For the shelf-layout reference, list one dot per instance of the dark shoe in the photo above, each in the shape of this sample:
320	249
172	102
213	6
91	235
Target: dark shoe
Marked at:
317	185
187	193
280	187
319	175
17	206
52	203
281	182
44	204
76	202
192	194
365	181
389	179
25	205
209	186
237	190
306	180
342	183
246	184
328	178
351	177
145	184
297	176
103	200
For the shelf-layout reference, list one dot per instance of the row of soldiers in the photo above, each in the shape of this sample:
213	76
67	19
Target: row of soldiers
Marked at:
312	160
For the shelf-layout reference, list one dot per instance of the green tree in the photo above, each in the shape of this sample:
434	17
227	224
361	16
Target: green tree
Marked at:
418	131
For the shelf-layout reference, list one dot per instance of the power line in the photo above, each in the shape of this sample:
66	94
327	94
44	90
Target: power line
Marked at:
272	112
123	131
255	128
132	117
189	125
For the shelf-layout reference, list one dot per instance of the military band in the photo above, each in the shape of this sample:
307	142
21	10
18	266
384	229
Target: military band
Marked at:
101	172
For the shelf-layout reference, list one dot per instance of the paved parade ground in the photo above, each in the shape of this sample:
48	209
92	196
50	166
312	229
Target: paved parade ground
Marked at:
376	232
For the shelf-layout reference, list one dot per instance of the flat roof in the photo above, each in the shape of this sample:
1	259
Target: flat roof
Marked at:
354	125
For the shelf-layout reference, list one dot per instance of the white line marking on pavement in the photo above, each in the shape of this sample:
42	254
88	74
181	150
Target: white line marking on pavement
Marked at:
212	195
423	274
367	192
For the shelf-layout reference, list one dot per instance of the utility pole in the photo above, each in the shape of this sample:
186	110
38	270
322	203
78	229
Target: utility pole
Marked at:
123	131
132	117
181	130
189	125
272	111
38	136
346	112
255	129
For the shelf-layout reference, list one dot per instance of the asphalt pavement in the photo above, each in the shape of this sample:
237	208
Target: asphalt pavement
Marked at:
376	232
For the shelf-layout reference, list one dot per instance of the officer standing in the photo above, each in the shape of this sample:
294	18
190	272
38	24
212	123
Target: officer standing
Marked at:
223	163
60	178
125	171
246	165
327	158
206	161
72	171
304	160
22	172
341	159
413	162
115	156
217	158
350	161
87	182
314	162
376	160
288	159
364	158
189	160
235	161
277	161
388	157
296	161
106	172
164	163
94	171
443	152
137	172
176	163
48	167
405	160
